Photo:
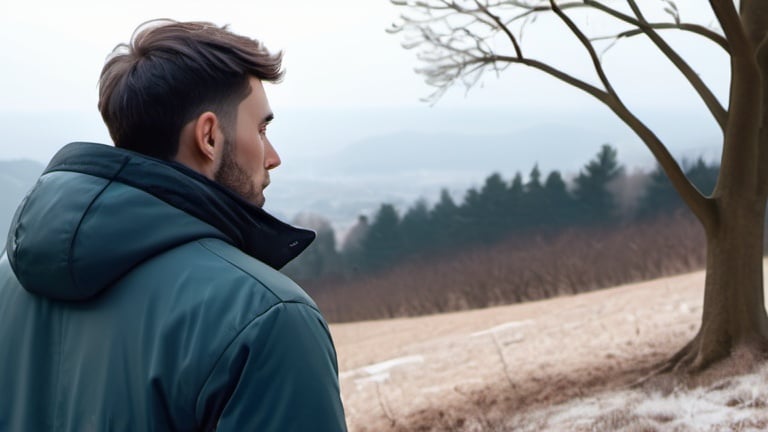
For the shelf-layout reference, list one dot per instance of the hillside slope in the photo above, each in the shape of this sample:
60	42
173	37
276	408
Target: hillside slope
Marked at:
511	367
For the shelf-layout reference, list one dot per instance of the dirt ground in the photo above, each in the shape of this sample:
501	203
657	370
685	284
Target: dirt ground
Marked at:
479	369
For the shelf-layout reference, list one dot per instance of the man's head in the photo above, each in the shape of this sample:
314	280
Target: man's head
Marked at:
193	92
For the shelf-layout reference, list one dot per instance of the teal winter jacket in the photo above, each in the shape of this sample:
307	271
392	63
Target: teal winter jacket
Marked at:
137	295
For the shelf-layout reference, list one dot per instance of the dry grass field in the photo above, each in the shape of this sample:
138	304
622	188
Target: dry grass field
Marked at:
516	269
559	364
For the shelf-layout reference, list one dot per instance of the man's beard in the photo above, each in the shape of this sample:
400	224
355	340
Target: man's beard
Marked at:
232	175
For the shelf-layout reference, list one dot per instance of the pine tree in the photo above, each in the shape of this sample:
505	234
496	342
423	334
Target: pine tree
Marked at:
416	229
514	203
558	204
594	200
660	196
446	222
383	244
492	218
533	205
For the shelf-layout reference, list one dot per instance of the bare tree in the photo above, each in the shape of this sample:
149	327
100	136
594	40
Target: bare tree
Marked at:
460	40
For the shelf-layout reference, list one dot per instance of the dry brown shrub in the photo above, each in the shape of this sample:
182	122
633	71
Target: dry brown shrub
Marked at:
519	269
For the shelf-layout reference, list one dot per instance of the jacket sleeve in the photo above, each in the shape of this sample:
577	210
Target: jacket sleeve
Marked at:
279	374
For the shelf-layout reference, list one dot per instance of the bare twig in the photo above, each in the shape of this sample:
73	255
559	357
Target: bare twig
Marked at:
714	106
385	407
587	44
460	55
503	361
479	407
532	10
693	28
598	93
502	27
728	17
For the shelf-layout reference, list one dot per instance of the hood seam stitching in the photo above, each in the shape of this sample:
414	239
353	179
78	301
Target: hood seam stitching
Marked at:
14	229
82	218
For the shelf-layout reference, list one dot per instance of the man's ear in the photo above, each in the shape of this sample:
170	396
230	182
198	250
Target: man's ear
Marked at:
207	133
200	141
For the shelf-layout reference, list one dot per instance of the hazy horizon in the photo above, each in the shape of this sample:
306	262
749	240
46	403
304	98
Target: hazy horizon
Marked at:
388	155
351	88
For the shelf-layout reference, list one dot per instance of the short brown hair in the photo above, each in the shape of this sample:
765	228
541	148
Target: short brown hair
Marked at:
170	73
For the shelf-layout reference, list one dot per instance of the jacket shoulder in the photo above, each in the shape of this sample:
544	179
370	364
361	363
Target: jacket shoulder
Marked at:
207	281
199	304
280	285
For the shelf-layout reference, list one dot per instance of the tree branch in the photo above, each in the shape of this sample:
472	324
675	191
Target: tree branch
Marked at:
530	10
701	206
454	57
709	99
587	44
740	167
598	93
707	96
693	28
728	17
502	27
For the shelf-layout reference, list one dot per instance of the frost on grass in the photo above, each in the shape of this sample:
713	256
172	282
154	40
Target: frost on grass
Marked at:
378	372
739	403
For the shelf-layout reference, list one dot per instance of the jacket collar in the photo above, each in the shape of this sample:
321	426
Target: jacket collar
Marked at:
246	226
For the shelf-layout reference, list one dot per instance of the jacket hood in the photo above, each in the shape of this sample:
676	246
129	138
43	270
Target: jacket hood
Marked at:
98	211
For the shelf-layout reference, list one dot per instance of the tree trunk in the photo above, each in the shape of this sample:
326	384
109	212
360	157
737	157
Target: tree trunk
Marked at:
734	316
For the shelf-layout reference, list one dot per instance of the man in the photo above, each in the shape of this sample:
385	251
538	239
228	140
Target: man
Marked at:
138	291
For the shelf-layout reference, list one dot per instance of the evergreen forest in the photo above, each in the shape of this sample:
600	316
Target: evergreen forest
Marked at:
601	195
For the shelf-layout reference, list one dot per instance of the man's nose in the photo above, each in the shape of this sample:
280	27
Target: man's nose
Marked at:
271	158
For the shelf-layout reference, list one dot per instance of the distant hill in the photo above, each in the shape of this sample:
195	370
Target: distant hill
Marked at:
556	146
16	178
340	173
401	167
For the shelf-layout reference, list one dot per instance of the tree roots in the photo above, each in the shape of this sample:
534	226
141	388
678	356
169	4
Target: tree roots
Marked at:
696	365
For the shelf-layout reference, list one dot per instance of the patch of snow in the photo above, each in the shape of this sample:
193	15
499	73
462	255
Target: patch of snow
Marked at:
377	372
380	377
577	412
736	401
389	364
502	327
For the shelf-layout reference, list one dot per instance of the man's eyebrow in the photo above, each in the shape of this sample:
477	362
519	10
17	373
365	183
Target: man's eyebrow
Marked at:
268	118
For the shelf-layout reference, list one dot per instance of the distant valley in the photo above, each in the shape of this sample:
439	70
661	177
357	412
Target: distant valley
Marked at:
401	167
553	146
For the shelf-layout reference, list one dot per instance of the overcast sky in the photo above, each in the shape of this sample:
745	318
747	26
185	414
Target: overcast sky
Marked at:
336	52
337	55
